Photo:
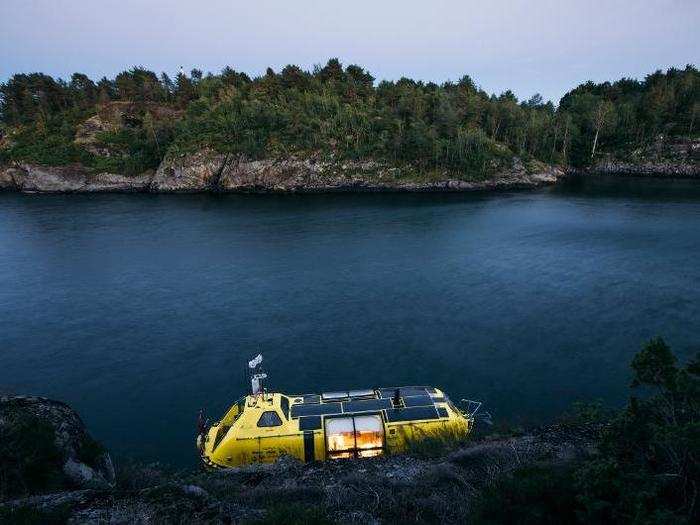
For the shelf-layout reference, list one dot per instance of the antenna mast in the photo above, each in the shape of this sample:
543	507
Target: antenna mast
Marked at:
256	375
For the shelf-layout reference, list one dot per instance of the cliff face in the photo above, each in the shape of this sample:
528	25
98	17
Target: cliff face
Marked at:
208	171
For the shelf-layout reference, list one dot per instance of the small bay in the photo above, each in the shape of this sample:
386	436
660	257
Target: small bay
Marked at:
139	309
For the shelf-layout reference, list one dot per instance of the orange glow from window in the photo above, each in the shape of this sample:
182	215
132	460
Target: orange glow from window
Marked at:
361	435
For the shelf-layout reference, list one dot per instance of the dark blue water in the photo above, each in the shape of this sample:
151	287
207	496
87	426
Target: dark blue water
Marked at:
139	309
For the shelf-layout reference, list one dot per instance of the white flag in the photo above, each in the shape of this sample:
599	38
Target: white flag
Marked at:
255	361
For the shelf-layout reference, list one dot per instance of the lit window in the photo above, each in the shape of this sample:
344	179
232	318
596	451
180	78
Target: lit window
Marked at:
360	436
340	436
369	435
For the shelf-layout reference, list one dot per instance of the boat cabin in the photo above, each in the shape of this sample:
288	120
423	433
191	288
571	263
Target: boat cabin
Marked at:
333	425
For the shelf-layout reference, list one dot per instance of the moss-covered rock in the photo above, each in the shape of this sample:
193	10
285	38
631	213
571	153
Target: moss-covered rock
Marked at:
45	447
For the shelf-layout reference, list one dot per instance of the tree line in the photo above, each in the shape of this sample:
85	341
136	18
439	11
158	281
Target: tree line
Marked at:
342	111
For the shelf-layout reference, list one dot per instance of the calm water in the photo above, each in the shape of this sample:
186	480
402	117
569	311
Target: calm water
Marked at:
139	309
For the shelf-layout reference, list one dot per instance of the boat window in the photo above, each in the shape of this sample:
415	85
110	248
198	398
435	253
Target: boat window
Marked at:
220	433
240	406
285	406
369	435
358	436
340	436
269	419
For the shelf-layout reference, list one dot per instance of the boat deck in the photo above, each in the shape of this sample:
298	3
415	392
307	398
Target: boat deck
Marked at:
415	403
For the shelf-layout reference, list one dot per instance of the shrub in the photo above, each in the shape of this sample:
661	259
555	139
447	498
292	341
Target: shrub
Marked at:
435	444
294	514
30	462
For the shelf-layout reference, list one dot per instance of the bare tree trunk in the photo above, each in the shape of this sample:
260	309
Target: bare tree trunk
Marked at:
595	142
566	138
600	117
495	130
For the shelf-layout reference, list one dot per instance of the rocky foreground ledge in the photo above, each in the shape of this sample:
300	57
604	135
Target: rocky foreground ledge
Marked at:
64	478
208	171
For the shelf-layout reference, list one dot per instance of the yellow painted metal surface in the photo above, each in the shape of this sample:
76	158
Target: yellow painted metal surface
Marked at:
239	439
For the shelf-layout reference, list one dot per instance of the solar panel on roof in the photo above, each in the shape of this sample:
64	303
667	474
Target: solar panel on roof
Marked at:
418	401
312	398
411	414
404	391
316	409
366	405
310	423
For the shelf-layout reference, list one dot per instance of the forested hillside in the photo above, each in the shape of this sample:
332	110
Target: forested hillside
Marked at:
129	123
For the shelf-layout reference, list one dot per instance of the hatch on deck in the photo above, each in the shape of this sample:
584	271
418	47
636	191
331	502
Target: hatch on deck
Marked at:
348	394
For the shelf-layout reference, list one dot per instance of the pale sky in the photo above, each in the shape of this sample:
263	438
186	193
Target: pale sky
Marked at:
546	46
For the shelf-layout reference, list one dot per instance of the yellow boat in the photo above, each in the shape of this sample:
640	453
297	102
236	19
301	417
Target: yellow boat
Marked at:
262	426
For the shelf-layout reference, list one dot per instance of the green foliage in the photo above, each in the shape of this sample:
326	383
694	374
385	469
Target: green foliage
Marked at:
647	467
139	85
530	495
629	113
655	366
90	450
30	462
435	444
135	150
586	414
338	111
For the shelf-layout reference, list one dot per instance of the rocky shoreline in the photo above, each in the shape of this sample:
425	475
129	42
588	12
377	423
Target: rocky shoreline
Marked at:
209	172
646	169
223	174
440	486
677	158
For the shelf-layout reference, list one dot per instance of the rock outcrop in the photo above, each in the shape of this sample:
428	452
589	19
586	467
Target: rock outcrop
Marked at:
32	178
7	178
44	446
87	135
115	116
209	171
673	159
193	173
312	175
